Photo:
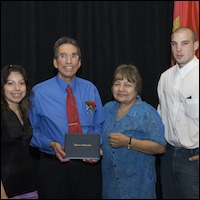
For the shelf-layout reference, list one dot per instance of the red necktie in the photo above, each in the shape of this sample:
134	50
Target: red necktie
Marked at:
72	113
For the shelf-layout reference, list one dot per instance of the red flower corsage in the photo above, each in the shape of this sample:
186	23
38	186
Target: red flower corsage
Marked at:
91	105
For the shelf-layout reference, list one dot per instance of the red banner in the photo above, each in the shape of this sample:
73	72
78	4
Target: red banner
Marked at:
186	13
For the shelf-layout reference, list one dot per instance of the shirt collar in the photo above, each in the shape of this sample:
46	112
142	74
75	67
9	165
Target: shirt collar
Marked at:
63	84
187	68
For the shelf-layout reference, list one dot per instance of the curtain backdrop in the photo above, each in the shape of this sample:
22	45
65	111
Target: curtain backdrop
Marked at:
109	33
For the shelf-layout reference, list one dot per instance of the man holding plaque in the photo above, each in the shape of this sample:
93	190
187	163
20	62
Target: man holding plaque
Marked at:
58	176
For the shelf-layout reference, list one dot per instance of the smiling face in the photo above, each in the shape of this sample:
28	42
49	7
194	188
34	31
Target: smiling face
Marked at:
14	88
67	62
127	84
124	91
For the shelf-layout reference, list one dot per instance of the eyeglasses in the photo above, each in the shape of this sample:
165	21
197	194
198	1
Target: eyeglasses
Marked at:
64	56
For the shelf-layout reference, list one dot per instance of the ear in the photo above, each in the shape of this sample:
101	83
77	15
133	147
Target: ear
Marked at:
196	45
79	63
55	63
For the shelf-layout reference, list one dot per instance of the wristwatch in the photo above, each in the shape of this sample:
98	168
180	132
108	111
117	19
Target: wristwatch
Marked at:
129	144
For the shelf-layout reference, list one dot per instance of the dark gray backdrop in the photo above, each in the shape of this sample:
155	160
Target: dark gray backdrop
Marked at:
109	33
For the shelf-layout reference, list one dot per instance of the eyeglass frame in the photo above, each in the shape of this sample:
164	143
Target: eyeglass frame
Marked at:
65	56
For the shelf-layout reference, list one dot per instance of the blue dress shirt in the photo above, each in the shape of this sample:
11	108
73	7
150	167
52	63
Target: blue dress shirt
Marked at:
48	113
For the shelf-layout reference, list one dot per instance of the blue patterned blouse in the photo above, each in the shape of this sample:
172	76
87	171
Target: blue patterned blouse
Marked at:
130	174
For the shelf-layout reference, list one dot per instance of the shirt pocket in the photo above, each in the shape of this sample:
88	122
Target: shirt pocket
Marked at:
86	117
191	108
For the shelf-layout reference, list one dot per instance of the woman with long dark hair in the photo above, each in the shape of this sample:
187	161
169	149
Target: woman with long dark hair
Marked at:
18	159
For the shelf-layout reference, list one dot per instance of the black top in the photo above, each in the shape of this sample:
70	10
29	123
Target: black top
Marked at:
18	170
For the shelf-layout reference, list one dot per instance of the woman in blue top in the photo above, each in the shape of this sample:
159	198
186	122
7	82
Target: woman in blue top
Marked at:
132	134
